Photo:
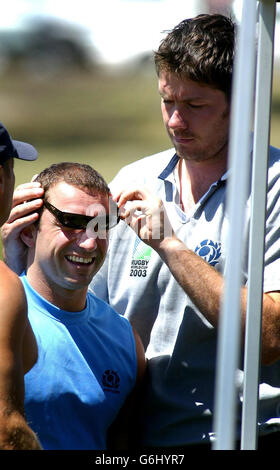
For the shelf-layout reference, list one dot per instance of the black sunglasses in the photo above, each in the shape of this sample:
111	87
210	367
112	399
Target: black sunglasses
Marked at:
79	221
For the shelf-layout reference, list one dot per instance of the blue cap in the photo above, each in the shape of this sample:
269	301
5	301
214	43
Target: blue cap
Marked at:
14	148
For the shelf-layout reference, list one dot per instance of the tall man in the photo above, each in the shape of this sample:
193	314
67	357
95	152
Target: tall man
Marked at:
15	330
170	287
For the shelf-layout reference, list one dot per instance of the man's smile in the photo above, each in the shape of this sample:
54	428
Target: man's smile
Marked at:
79	259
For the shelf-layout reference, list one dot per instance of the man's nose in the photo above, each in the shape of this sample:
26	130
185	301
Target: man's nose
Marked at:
176	119
85	241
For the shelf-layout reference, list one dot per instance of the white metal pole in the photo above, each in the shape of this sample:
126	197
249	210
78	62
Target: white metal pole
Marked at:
239	154
257	230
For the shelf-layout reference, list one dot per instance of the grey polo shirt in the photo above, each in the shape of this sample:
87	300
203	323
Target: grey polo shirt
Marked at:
180	343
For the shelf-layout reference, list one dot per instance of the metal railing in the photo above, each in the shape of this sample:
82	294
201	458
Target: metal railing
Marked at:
252	85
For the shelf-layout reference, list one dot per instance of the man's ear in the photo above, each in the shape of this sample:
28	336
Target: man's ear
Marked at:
28	235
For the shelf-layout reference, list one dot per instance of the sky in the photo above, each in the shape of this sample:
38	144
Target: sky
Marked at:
119	29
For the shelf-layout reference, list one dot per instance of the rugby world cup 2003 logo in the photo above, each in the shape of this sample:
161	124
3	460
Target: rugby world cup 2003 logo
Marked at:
140	259
209	251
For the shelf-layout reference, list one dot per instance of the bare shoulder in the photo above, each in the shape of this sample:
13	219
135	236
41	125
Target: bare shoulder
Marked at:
16	334
13	305
11	286
12	296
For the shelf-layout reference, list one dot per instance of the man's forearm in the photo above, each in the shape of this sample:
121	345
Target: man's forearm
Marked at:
204	285
201	282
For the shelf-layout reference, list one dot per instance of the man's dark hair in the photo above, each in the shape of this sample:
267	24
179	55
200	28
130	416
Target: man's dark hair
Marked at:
200	49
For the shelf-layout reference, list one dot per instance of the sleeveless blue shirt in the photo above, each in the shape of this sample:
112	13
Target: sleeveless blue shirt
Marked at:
85	370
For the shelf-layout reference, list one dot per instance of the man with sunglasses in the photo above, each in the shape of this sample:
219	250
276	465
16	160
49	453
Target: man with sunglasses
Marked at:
89	357
15	329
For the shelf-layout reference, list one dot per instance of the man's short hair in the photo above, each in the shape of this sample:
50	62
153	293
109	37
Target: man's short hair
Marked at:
200	49
76	174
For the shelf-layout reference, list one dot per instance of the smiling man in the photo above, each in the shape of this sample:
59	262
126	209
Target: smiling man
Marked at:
89	358
66	259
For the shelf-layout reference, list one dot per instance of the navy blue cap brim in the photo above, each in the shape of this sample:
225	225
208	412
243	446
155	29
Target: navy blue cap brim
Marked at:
24	151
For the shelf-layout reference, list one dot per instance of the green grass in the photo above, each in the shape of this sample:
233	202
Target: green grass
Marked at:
104	120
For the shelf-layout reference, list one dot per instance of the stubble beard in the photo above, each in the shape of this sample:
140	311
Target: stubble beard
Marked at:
203	155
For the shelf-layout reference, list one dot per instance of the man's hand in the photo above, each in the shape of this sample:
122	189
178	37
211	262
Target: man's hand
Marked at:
26	200
145	213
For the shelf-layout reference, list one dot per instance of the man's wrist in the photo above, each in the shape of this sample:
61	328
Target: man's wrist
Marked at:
169	245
